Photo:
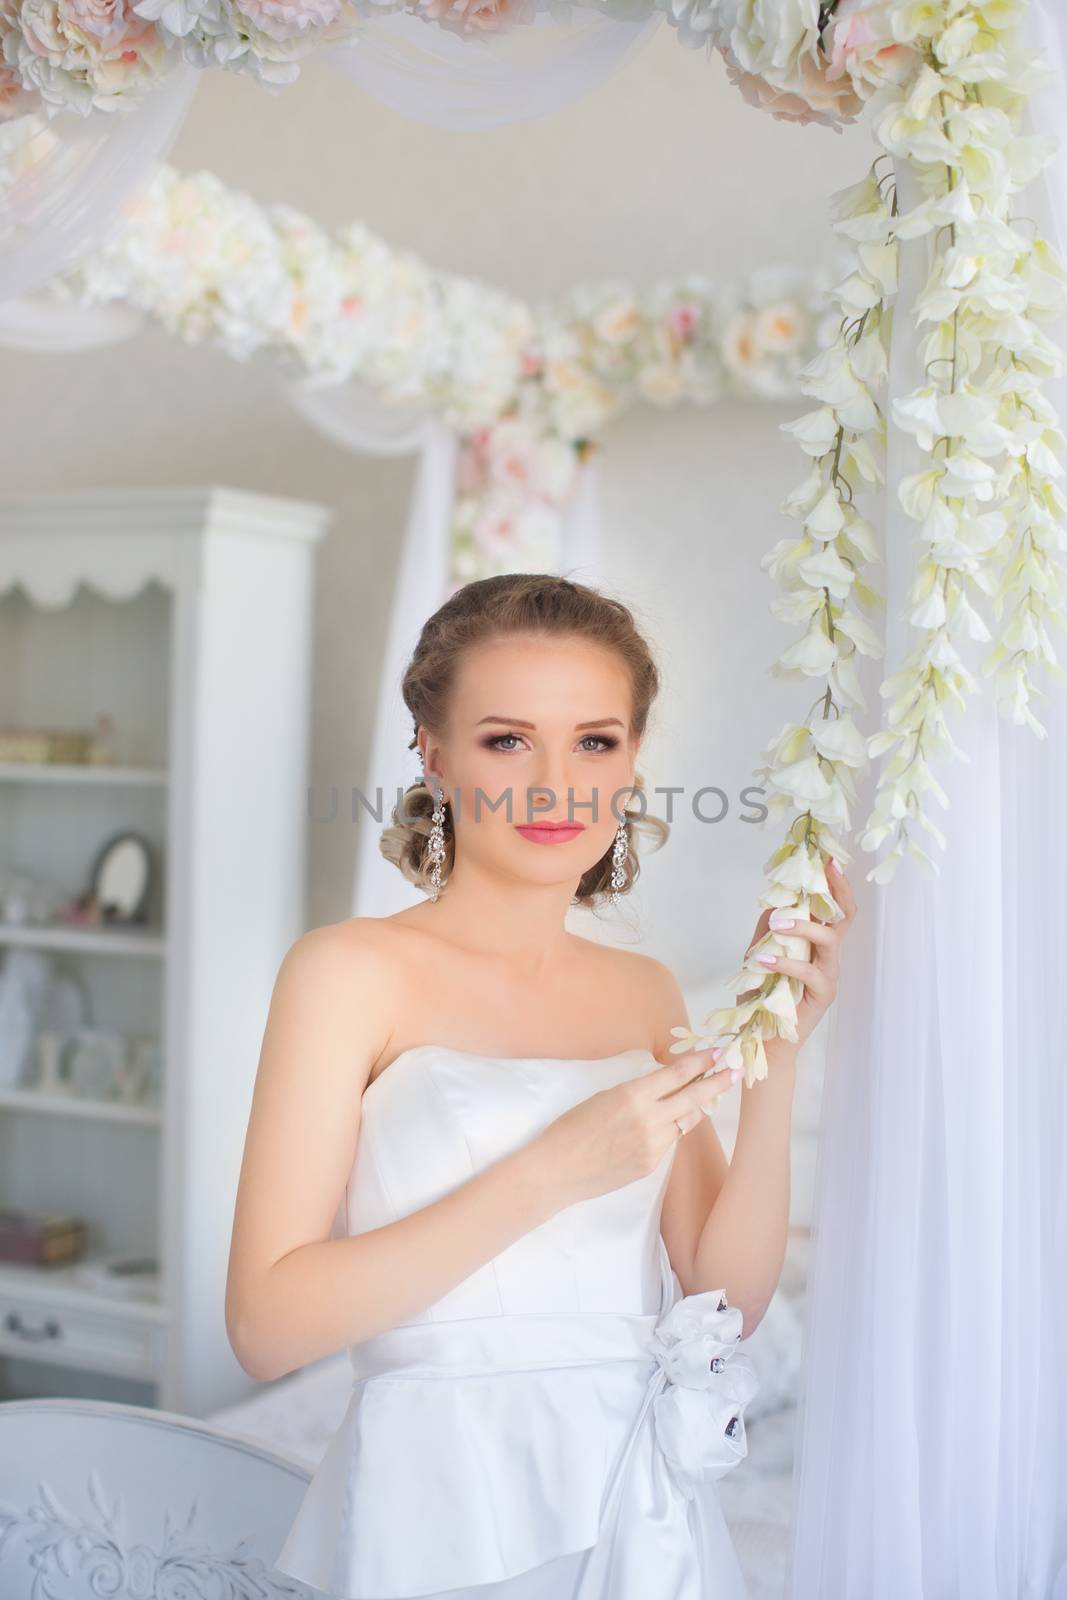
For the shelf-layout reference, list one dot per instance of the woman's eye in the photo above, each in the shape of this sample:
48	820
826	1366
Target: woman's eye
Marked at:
591	743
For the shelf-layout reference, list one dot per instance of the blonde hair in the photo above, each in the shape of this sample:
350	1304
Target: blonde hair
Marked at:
491	608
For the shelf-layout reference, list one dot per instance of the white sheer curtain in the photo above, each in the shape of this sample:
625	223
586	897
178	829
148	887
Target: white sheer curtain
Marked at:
64	180
527	71
932	1445
27	323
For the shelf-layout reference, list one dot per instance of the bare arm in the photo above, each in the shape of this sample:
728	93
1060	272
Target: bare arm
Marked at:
743	1242
726	1221
700	1164
294	1294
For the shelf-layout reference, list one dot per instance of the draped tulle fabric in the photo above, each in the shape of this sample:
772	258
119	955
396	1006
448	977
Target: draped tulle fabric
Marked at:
932	1446
29	322
492	78
553	1428
354	417
65	180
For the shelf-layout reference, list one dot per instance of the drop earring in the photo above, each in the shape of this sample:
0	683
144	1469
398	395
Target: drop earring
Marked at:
435	850
619	853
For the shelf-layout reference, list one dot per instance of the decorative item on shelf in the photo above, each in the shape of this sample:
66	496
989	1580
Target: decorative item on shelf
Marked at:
101	750
43	746
119	885
51	1063
122	1277
94	1063
27	901
64	1011
139	1080
40	1238
99	1064
23	988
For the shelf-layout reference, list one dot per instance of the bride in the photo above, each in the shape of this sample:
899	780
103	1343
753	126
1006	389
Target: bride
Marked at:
472	1160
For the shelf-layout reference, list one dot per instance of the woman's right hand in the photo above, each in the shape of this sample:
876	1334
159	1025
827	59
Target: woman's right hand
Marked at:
620	1134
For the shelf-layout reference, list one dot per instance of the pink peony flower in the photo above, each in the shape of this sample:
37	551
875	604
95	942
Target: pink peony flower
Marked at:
779	327
475	16
862	47
740	346
811	95
496	527
682	321
15	99
284	20
105	19
470	468
69	64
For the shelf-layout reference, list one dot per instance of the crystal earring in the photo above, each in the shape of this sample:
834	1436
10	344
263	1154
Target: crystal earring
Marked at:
619	852
436	845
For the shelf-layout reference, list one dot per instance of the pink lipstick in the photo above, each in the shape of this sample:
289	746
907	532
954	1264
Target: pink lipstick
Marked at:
550	832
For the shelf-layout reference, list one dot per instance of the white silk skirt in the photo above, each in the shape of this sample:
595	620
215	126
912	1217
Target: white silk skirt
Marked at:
533	1457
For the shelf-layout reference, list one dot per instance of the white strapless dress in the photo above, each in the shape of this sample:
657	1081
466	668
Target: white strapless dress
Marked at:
552	1428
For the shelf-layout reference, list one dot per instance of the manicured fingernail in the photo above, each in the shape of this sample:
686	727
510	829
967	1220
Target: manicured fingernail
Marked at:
735	1073
837	865
768	961
781	922
717	1052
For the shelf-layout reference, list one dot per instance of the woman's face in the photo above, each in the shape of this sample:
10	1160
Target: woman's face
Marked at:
538	731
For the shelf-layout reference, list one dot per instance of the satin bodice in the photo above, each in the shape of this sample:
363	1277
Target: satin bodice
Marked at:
435	1117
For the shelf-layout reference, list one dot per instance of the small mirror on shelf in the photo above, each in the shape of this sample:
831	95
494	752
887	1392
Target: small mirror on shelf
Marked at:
122	878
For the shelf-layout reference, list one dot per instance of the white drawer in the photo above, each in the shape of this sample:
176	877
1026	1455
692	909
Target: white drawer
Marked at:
102	1340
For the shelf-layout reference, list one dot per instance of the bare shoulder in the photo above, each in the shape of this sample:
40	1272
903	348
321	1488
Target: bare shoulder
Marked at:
334	1002
654	985
356	957
636	966
659	983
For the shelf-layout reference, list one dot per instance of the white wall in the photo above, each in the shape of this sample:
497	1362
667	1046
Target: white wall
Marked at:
662	170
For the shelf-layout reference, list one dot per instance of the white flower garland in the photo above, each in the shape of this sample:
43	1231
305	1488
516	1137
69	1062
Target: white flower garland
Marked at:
986	497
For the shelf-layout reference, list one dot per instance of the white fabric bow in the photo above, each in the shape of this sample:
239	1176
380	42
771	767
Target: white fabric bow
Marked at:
704	1386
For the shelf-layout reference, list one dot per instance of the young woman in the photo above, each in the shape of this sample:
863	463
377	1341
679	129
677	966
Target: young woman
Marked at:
472	1160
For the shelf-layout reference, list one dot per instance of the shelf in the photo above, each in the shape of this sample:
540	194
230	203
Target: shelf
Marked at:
134	605
97	941
69	1105
57	1286
78	772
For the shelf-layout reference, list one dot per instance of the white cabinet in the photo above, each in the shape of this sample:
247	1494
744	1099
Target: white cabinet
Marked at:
186	616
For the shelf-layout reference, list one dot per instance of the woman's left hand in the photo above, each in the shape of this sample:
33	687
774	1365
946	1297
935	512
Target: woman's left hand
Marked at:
819	974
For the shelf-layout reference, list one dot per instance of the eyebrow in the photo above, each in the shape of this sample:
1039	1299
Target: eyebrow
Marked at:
517	722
